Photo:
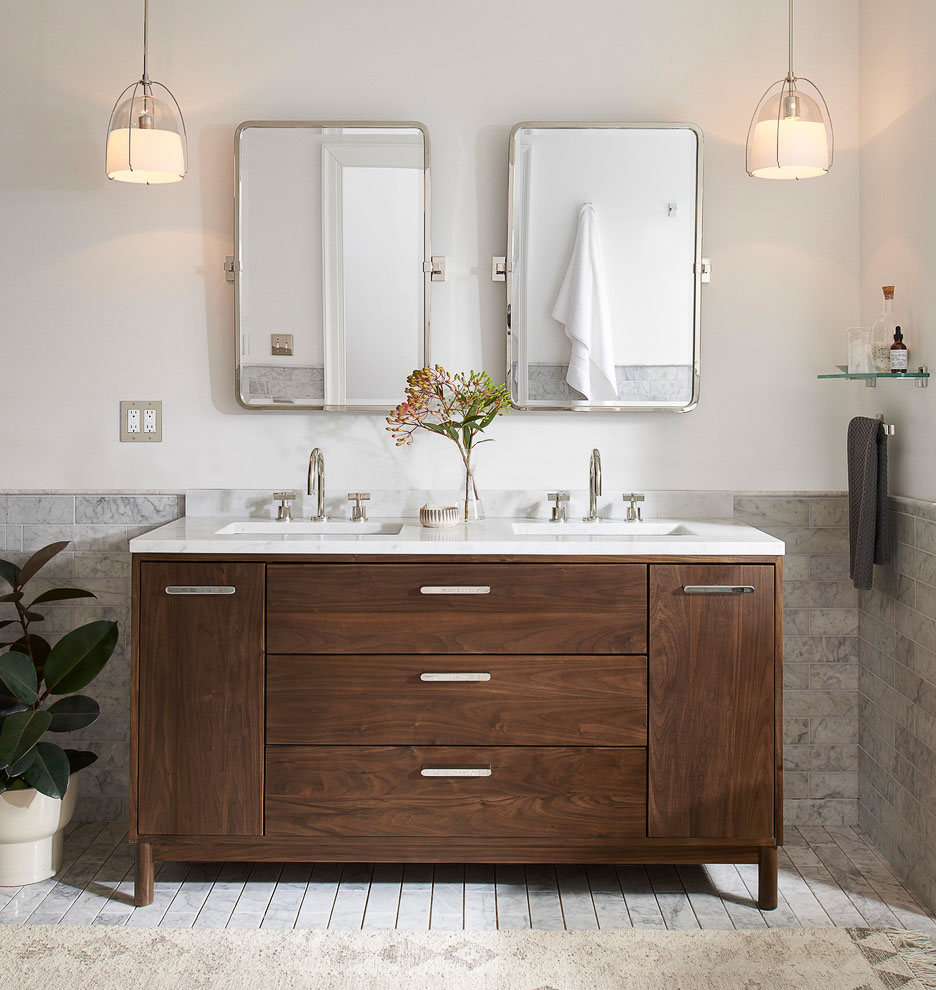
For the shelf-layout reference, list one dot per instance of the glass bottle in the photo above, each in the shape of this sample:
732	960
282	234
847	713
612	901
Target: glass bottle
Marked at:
898	354
882	333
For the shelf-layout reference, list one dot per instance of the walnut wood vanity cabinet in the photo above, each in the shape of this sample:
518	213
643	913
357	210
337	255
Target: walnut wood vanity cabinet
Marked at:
470	709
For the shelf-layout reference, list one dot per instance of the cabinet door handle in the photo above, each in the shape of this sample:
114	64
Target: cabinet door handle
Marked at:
200	589
455	589
455	676
462	771
719	589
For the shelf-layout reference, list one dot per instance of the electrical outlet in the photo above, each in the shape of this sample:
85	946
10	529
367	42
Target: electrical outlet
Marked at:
281	344
141	422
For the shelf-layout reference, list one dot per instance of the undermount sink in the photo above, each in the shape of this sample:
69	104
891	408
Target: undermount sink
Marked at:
603	528
340	527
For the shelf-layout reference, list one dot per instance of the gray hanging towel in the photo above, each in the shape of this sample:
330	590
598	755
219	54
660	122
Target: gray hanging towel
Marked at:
868	542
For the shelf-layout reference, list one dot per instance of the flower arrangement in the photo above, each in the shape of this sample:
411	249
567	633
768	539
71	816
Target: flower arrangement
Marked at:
459	407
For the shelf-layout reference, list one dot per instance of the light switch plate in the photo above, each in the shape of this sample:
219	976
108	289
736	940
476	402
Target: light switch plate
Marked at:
141	422
281	344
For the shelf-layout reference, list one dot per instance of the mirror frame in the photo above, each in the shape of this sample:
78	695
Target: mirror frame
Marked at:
238	252
697	261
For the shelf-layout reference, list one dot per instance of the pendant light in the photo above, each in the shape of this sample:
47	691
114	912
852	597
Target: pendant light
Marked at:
790	137
146	133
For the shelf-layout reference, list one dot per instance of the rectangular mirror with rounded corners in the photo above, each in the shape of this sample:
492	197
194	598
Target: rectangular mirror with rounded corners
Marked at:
332	262
603	266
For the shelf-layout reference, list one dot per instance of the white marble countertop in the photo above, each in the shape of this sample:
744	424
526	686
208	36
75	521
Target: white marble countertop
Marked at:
200	535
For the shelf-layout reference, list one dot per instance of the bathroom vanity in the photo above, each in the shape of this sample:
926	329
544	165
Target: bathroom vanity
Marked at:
504	692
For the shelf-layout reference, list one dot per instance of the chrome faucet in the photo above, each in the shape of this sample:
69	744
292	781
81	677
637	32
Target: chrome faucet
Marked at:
594	486
316	483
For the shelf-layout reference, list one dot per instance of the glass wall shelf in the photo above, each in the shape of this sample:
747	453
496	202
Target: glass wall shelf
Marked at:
920	376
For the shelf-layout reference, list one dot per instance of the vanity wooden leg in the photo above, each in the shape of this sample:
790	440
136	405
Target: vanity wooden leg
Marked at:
143	878
767	878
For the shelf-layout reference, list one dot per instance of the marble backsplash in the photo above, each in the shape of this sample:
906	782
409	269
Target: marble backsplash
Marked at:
821	609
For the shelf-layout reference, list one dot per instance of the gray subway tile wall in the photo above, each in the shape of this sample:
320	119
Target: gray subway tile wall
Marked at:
821	652
898	699
821	623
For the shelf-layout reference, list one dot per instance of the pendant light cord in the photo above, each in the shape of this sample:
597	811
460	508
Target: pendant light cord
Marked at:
146	41
790	72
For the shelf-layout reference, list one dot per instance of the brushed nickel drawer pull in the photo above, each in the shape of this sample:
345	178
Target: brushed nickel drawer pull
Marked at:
719	589
455	676
455	589
463	771
200	589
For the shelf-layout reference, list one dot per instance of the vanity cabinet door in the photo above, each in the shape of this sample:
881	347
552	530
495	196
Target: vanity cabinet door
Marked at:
712	695
199	726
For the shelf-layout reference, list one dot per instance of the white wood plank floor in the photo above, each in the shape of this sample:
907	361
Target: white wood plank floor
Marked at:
828	876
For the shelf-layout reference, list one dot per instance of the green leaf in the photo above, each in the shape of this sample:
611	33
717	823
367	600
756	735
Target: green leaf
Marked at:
20	732
13	596
78	759
39	559
61	595
77	658
21	765
19	676
10	573
74	712
50	770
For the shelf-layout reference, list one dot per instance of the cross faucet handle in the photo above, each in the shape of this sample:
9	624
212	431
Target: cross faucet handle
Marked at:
558	510
358	512
633	511
284	509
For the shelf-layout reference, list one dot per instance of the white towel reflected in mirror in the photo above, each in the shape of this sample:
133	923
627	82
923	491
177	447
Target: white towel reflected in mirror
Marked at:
582	308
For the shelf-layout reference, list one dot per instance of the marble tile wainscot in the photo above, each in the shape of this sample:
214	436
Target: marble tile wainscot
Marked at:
821	697
820	617
898	699
99	525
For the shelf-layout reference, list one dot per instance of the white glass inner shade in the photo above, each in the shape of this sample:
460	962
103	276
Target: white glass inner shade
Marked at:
145	141
140	155
790	138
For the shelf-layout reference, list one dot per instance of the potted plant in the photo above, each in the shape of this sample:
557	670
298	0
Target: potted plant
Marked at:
459	407
37	783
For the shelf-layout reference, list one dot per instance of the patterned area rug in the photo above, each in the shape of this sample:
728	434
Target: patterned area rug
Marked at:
69	958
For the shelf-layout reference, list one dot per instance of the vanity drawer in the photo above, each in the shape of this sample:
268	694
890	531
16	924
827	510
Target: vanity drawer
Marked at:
457	608
524	791
457	701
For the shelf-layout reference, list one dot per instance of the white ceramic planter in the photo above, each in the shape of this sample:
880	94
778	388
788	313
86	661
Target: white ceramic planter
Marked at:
31	834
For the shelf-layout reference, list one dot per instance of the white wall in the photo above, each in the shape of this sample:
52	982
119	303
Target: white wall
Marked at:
898	217
114	291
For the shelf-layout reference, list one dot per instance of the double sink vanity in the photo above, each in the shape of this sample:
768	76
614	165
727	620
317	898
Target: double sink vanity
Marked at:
508	691
517	690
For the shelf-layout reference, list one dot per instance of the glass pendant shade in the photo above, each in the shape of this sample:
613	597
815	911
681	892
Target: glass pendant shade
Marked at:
146	137
790	136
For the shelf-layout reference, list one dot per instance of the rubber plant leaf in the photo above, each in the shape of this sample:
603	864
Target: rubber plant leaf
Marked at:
39	559
50	770
20	732
19	676
78	759
77	658
61	595
74	712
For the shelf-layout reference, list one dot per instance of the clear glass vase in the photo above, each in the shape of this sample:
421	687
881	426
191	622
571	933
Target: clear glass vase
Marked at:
472	508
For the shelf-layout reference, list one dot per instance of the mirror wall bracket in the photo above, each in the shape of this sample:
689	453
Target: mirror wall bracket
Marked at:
499	269
435	268
704	270
229	268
